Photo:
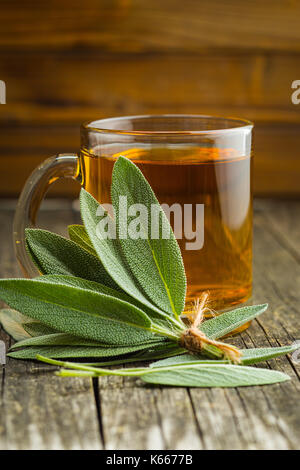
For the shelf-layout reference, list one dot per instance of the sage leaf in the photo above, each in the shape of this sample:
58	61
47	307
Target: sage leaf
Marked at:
76	311
255	355
157	351
21	327
78	234
161	319
249	356
155	262
74	351
187	375
213	375
226	322
55	339
85	284
11	321
54	254
109	252
35	328
64	339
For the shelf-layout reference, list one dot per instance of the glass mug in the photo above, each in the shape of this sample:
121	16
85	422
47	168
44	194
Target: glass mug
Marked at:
187	159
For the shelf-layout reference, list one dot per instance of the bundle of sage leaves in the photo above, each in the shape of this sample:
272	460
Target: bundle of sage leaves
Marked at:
122	299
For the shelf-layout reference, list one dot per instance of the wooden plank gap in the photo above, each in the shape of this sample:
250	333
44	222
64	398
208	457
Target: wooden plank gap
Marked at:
95	382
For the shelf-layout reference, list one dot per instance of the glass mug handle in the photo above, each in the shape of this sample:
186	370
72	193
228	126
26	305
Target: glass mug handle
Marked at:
60	166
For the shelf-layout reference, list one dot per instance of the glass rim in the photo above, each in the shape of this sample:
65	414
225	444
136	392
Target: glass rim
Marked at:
241	124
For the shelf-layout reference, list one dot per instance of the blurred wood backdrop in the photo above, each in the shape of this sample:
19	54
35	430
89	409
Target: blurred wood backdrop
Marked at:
67	61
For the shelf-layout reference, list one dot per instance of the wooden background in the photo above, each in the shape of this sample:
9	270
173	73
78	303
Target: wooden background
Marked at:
66	61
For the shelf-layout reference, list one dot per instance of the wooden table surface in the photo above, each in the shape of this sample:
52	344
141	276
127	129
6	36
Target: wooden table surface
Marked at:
41	411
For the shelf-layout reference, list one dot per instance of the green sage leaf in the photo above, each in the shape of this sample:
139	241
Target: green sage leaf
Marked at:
74	351
56	339
249	356
255	355
109	252
157	351
54	254
155	261
78	234
77	311
213	375
187	375
226	322
161	319
35	328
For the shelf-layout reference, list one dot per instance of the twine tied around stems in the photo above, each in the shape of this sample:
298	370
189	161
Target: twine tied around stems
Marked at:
196	341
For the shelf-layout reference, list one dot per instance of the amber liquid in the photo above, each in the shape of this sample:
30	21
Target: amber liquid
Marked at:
220	180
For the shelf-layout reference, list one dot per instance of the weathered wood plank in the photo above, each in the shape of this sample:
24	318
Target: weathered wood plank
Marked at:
276	279
37	409
79	87
220	420
278	407
228	424
177	419
116	25
41	411
263	417
276	163
129	415
283	219
135	416
43	114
